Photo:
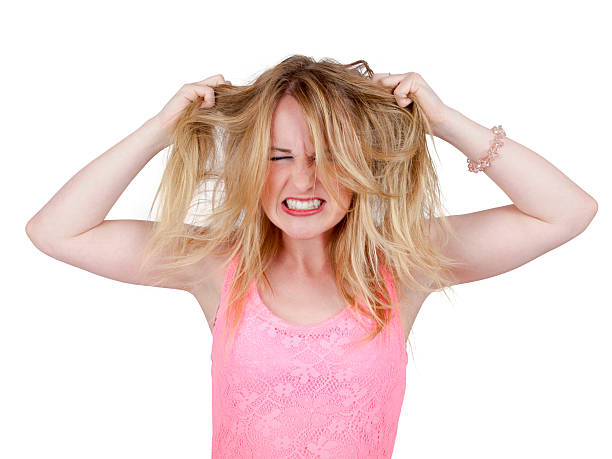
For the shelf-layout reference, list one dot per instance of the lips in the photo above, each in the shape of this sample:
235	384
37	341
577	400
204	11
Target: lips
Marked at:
302	212
284	201
304	199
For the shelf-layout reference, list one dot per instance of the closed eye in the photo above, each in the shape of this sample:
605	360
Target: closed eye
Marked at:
276	158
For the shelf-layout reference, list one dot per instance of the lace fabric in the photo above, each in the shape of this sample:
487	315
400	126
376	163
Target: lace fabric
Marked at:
302	391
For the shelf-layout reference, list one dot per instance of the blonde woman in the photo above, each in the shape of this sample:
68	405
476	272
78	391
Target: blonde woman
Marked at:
324	234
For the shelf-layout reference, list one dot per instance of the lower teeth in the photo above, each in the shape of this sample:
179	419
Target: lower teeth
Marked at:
307	208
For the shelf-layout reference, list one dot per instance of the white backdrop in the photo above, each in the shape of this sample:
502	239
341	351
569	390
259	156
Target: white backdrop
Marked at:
516	366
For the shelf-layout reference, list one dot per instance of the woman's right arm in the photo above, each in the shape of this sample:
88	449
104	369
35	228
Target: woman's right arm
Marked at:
72	228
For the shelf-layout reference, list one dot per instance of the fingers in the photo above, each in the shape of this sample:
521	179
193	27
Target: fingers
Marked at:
193	91
403	89
204	89
208	93
213	80
387	80
401	85
379	76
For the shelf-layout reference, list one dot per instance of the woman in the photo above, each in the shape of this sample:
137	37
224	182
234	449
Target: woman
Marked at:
325	235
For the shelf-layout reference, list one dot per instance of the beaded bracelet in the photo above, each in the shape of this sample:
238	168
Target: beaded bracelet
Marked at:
496	144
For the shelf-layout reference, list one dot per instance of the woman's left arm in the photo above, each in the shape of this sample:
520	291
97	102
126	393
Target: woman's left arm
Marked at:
536	187
548	208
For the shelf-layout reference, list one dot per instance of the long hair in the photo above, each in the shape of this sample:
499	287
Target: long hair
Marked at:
377	149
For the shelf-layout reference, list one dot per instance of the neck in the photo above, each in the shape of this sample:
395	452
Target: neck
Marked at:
306	257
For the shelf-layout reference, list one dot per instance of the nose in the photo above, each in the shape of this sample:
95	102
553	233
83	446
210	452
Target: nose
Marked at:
304	172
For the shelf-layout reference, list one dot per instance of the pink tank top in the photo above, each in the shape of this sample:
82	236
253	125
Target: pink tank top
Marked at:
297	391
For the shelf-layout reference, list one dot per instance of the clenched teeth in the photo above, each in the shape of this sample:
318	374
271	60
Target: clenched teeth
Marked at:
303	205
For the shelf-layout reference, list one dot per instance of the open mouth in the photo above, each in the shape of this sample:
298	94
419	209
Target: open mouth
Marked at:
295	204
302	208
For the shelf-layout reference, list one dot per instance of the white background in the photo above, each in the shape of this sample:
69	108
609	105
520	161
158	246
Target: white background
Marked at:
517	366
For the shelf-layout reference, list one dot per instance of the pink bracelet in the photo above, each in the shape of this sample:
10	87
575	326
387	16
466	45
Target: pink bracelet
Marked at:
496	144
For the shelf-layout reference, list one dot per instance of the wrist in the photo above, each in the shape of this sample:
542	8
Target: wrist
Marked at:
158	131
442	122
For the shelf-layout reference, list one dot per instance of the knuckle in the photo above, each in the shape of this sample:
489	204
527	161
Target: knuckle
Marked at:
214	77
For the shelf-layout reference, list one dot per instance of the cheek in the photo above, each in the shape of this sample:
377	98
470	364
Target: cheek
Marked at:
346	196
267	189
269	193
271	180
266	200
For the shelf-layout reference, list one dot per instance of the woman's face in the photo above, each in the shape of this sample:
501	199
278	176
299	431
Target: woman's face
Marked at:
292	176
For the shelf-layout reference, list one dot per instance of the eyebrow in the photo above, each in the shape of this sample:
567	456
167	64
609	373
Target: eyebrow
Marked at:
287	150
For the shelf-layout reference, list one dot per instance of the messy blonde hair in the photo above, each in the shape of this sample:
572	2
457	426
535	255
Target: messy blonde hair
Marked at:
377	149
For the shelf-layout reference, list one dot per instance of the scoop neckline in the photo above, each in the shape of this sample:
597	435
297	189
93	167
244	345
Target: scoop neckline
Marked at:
288	324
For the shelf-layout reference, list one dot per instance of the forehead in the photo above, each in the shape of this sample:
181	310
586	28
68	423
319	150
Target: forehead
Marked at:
289	126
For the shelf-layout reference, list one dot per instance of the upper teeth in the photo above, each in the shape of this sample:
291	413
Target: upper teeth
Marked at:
295	204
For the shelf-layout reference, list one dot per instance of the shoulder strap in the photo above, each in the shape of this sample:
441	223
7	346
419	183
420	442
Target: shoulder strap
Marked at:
389	282
396	326
230	270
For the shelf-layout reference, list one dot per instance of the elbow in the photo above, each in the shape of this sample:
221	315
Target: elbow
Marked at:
32	227
29	228
36	235
31	232
591	210
583	219
595	207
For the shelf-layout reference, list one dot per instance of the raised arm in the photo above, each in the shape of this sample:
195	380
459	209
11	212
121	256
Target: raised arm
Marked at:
548	208
72	228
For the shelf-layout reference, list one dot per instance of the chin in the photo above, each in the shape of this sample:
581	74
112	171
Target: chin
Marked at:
302	235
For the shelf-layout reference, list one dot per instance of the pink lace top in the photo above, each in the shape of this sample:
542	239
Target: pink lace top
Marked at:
297	391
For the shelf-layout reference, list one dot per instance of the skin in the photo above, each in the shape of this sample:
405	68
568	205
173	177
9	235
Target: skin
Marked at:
548	209
303	238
